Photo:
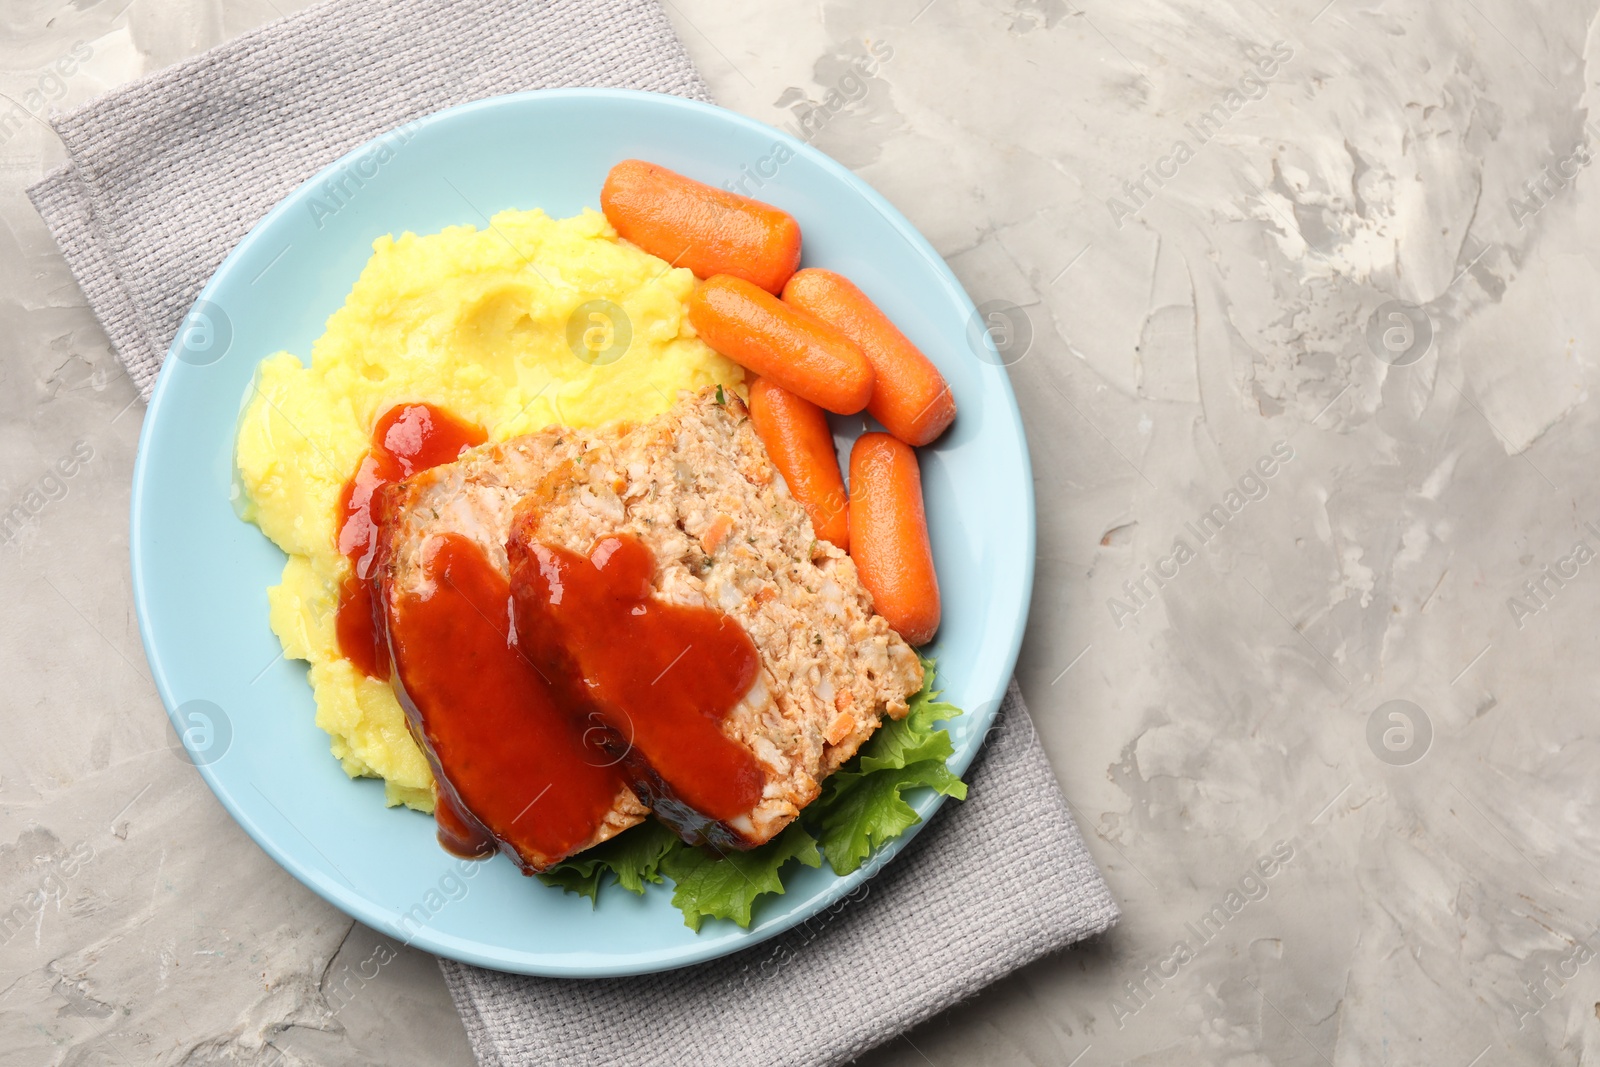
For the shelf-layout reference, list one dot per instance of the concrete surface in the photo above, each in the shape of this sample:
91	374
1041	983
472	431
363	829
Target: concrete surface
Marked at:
1318	272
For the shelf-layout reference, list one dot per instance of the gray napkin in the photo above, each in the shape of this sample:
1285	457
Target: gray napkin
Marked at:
166	175
994	882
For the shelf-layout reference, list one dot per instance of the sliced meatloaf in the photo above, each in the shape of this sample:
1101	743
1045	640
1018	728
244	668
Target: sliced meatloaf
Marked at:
517	782
697	488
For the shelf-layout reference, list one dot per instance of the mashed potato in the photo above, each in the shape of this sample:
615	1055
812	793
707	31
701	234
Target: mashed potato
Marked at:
504	327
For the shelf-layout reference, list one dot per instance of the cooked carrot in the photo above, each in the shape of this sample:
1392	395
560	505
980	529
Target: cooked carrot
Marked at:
760	332
691	224
909	395
717	531
797	437
889	536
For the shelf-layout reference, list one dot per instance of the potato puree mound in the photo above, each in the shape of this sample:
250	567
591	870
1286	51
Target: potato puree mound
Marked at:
476	322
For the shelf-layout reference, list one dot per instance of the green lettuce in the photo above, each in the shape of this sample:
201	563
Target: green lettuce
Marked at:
861	806
724	885
860	809
632	858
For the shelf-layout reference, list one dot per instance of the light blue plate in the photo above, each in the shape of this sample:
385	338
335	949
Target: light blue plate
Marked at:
200	575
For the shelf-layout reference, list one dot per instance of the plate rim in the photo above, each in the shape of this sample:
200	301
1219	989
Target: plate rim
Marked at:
363	907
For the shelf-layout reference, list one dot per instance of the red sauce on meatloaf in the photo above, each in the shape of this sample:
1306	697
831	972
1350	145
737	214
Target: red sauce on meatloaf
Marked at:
658	677
408	438
509	762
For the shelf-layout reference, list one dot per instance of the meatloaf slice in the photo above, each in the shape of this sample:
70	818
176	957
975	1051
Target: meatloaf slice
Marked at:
697	488
511	770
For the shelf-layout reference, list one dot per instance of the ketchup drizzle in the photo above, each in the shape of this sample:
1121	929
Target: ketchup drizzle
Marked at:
660	677
508	763
408	438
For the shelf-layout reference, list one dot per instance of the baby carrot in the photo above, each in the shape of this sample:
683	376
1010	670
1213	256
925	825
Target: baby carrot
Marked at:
797	437
691	224
909	395
761	333
889	536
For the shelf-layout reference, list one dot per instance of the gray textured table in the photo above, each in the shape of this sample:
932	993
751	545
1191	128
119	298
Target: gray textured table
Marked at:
1304	322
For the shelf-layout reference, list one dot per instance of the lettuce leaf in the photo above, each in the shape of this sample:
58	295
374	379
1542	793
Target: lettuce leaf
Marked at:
913	738
725	885
862	807
866	809
633	858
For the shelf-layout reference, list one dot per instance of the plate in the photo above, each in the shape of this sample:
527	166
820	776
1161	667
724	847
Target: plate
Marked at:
200	575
